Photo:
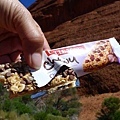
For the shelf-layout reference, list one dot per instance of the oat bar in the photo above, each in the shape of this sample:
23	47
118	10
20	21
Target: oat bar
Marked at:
64	79
17	78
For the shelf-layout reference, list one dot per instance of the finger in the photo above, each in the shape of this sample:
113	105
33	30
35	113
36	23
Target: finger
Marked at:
5	59
10	45
46	45
20	21
32	45
32	38
4	34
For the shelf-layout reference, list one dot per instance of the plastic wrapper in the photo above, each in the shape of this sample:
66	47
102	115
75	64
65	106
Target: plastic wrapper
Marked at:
60	68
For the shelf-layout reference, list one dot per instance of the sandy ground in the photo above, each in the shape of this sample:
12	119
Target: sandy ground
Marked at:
92	105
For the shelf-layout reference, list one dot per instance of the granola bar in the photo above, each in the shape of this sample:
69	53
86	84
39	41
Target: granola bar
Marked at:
17	79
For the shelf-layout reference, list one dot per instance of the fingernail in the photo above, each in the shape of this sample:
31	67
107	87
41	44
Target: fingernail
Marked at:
36	60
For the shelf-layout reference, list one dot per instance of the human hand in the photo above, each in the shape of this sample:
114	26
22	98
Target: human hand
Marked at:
20	33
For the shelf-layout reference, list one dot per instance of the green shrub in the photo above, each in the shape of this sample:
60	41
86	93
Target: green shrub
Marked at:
117	115
53	117
58	106
22	108
26	99
26	117
1	88
69	92
112	104
40	115
65	113
7	105
110	109
2	115
73	104
12	115
72	111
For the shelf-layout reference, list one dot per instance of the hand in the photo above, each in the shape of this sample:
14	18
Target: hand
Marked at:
20	33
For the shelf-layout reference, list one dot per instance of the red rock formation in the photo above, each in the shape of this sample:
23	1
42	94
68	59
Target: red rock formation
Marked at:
51	13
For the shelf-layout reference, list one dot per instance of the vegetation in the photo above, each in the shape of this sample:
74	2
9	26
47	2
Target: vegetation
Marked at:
110	109
58	106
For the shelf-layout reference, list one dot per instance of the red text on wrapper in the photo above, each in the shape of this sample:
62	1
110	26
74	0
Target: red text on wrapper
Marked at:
63	51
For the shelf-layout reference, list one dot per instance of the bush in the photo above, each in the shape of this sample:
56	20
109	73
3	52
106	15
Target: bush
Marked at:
110	109
7	105
112	104
2	115
40	115
16	105
21	107
65	103
1	88
14	116
72	111
52	117
73	104
117	115
58	106
25	117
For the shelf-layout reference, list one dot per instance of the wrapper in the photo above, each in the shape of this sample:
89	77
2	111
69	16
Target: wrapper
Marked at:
82	58
60	68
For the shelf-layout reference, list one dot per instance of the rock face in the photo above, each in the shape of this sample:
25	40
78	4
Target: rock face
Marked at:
100	23
51	13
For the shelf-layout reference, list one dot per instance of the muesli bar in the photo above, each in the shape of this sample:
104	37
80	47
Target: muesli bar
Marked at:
17	78
60	68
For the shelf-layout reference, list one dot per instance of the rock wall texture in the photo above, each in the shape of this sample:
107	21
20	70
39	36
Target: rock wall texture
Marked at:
100	23
51	13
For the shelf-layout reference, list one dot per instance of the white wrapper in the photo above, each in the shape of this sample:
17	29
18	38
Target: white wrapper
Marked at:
82	58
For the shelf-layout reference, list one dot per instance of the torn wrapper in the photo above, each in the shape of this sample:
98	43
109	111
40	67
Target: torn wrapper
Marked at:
60	68
82	58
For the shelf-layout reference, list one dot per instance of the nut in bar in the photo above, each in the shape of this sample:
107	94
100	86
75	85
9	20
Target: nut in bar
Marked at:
64	79
17	78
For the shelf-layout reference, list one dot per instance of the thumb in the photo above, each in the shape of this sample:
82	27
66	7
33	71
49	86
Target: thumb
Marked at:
32	38
17	19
